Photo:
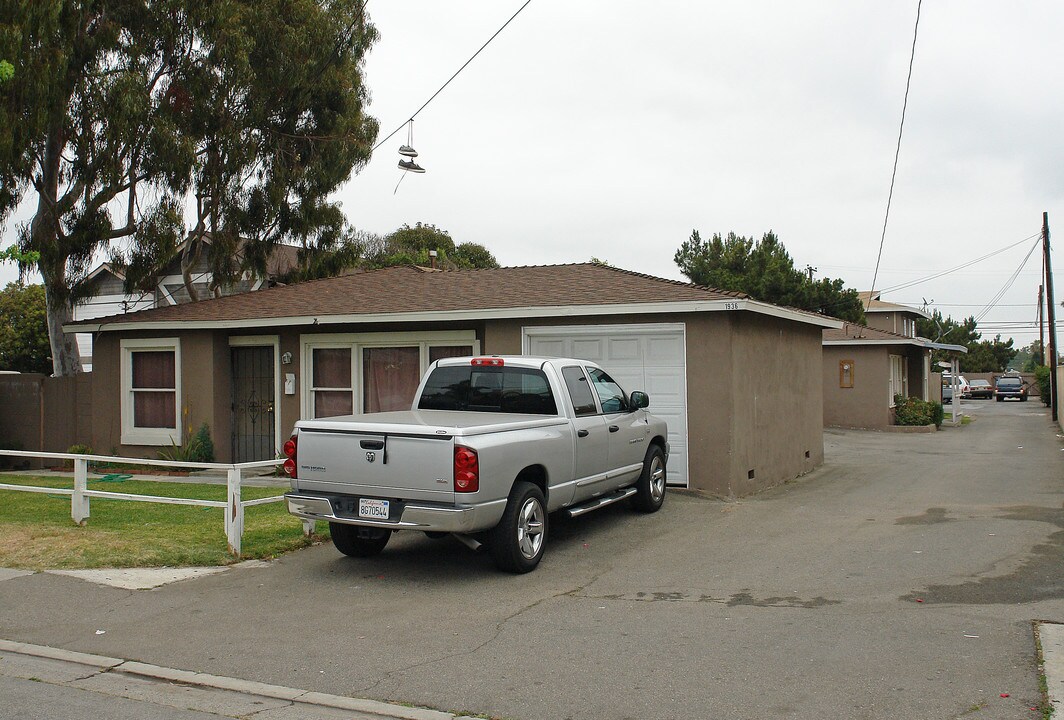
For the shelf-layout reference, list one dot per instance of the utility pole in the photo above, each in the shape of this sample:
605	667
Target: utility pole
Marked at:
1041	328
1052	318
810	269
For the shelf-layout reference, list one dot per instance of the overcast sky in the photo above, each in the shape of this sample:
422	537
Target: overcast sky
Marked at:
613	129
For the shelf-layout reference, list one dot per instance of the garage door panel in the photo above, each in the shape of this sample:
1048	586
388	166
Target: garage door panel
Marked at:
549	348
589	349
666	351
665	386
625	352
639	358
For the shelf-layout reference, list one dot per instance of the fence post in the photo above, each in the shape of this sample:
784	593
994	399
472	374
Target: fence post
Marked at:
79	504
308	527
234	513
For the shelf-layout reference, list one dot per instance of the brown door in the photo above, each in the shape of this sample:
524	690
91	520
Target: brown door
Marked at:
253	404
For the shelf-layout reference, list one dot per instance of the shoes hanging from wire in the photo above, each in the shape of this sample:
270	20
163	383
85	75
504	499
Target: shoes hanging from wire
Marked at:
408	151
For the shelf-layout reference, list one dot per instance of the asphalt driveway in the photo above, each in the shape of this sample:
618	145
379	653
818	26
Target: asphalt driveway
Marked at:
898	581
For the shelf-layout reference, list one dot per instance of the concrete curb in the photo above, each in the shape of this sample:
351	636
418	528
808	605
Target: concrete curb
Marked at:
1050	637
218	682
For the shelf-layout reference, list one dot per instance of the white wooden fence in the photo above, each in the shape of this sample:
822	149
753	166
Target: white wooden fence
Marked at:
80	494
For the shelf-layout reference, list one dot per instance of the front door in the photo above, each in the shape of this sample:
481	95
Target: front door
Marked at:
253	404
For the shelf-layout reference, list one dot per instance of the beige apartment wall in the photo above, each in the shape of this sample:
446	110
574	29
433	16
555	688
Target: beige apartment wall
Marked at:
777	402
865	405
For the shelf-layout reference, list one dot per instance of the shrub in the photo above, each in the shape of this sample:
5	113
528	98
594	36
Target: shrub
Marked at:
1041	376
913	411
197	448
938	413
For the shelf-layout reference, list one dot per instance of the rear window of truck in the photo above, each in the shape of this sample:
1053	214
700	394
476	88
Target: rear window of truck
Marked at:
488	389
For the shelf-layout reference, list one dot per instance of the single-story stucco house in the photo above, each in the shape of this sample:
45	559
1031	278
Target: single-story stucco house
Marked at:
866	367
739	381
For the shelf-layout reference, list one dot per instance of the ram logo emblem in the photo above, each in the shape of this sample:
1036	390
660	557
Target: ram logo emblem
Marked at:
370	456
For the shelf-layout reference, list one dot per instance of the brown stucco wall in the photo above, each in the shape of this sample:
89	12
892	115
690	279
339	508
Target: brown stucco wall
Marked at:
865	404
204	391
777	411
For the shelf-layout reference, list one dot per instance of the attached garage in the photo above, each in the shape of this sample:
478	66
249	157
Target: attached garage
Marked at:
649	357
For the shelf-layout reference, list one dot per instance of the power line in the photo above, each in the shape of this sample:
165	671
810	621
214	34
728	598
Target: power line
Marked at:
897	150
1008	284
393	132
910	283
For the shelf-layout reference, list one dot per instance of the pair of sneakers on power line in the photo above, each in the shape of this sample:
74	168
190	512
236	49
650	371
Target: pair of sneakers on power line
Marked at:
409	165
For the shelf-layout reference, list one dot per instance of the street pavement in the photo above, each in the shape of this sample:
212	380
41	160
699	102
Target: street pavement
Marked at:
901	580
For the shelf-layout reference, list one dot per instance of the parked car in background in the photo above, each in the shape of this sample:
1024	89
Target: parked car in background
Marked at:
947	382
981	389
1010	387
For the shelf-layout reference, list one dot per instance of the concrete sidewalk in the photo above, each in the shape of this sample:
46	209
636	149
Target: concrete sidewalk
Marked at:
95	681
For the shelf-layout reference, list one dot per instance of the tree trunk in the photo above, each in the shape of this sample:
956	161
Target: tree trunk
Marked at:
44	238
66	359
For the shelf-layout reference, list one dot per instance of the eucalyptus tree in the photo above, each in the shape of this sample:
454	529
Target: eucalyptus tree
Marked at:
120	113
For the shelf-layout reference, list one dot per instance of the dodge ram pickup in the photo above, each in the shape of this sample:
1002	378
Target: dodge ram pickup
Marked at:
490	447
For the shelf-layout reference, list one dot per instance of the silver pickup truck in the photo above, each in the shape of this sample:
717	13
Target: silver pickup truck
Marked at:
489	448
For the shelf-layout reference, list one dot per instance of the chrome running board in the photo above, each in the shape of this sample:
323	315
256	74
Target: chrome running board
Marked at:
596	503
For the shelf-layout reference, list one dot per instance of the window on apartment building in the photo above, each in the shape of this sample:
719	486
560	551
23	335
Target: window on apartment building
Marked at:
331	388
374	372
899	377
151	390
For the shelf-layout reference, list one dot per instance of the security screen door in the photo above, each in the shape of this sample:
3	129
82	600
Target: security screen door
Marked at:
253	404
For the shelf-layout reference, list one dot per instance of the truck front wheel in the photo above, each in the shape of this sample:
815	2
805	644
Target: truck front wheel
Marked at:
516	543
356	541
650	489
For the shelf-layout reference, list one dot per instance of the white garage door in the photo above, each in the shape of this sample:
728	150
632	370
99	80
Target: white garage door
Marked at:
648	357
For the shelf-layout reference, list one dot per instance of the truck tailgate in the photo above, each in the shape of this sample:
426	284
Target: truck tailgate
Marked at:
372	463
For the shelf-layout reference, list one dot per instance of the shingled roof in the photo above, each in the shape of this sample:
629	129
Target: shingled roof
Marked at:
409	291
856	334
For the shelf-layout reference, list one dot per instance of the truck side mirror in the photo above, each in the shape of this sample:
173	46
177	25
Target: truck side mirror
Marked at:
639	400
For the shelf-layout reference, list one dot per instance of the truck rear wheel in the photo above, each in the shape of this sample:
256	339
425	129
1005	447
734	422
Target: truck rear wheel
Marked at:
516	543
650	488
356	541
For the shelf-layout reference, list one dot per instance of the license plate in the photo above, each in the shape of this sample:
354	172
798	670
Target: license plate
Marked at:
375	509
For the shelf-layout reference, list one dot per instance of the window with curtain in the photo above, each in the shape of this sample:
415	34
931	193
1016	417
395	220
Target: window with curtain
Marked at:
438	352
154	389
390	376
331	382
150	376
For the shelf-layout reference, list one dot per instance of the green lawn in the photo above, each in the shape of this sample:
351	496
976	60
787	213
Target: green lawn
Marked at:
37	533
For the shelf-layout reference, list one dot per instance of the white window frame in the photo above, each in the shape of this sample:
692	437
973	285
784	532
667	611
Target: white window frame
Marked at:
902	377
132	435
359	341
266	341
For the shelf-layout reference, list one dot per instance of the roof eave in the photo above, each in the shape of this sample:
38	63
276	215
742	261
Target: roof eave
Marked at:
684	306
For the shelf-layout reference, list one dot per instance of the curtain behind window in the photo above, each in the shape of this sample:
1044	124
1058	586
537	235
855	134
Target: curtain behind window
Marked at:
332	369
154	389
390	377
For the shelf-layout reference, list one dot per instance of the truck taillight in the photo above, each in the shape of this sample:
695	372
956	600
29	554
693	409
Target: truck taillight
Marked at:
487	362
466	470
290	457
